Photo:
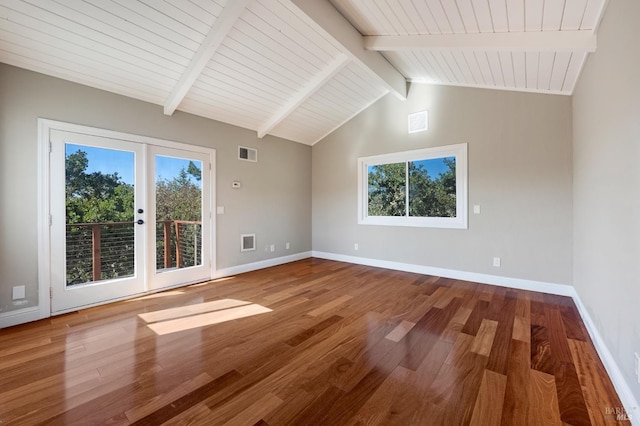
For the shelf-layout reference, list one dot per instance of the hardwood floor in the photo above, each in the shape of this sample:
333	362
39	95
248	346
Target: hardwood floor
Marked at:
313	342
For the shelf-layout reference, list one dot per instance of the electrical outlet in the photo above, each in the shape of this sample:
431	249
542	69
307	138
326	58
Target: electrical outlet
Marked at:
272	248
637	369
496	262
287	246
355	246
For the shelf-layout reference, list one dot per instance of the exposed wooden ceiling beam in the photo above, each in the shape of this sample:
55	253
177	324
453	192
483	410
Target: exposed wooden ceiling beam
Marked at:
542	41
305	93
207	49
349	41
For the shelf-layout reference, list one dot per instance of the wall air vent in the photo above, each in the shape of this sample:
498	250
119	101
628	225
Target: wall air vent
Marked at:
247	242
418	122
247	154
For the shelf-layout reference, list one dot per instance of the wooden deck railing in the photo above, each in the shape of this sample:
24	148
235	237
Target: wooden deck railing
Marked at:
121	238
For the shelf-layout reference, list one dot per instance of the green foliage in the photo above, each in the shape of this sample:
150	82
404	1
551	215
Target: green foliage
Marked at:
387	196
179	198
105	198
95	197
428	196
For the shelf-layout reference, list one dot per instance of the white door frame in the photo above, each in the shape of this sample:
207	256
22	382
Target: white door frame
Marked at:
44	209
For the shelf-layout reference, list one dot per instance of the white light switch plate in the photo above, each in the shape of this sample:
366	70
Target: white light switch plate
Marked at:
220	209
476	209
19	292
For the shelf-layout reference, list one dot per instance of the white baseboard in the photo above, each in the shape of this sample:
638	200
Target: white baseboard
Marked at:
622	387
540	286
20	316
248	267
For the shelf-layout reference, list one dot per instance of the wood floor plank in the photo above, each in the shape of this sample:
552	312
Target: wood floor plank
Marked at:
599	394
522	329
572	323
475	319
152	413
571	403
308	333
501	347
310	342
329	305
376	410
557	336
253	413
543	400
487	410
541	359
484	339
517	399
400	331
426	332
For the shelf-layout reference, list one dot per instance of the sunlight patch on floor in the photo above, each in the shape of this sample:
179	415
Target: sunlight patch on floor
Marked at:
199	315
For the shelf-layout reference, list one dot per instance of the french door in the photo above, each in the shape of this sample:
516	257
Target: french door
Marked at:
126	218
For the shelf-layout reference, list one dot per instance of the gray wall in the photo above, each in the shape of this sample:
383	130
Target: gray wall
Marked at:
274	202
606	121
519	172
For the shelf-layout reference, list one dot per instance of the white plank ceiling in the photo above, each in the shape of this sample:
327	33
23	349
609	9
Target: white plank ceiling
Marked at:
297	69
525	45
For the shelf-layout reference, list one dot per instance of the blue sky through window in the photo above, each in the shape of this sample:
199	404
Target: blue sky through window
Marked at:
110	161
435	166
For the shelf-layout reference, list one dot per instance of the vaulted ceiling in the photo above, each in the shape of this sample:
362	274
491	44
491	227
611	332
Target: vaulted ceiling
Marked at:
298	69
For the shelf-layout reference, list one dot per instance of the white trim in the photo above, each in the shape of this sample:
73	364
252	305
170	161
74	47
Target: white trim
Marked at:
248	267
487	86
44	239
20	316
622	387
460	221
47	124
540	41
518	283
44	211
217	33
328	21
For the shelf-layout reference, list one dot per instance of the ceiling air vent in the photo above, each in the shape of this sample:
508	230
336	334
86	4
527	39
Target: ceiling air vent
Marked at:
418	122
247	242
247	154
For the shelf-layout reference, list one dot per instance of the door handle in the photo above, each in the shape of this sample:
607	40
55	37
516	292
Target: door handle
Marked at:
140	221
140	211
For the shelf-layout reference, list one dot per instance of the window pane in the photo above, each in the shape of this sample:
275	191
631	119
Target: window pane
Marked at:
432	187
387	186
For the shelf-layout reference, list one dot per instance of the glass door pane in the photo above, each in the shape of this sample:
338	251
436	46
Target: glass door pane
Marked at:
181	240
97	220
178	184
99	207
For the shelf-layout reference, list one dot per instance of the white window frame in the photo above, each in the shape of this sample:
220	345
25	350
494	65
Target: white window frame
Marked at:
459	151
